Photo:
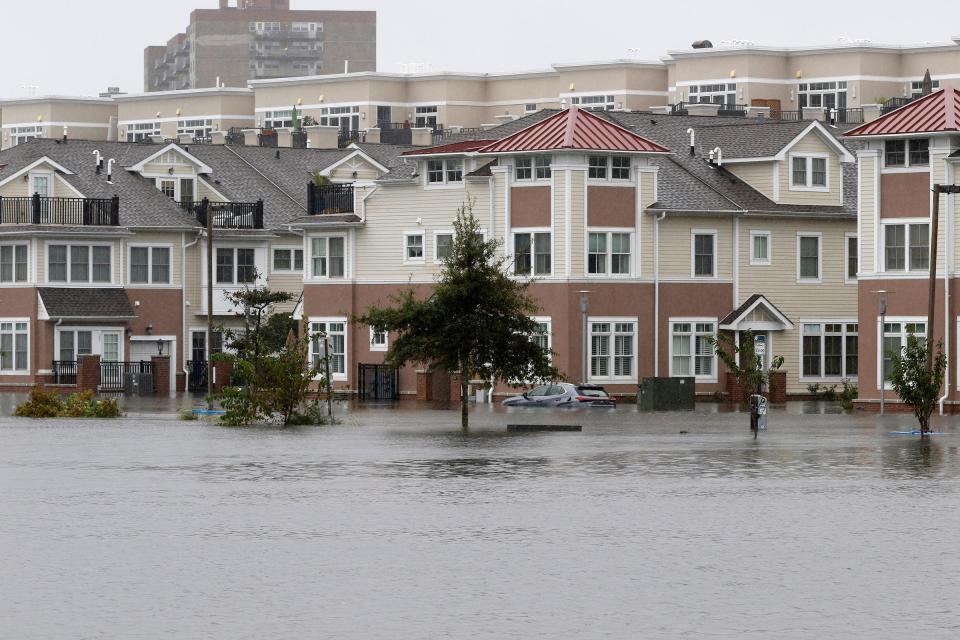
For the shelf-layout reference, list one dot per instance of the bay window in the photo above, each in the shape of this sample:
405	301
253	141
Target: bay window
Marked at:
612	349
79	263
328	257
829	350
532	254
691	348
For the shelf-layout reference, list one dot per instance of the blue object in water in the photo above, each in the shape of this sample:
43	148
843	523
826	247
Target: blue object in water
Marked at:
916	433
209	412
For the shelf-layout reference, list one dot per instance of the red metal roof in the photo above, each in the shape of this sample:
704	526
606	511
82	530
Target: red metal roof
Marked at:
937	112
576	129
465	146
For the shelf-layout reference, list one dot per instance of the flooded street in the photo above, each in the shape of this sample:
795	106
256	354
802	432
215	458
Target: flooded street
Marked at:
394	524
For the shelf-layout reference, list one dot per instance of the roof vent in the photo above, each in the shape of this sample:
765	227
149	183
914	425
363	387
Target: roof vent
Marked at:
702	44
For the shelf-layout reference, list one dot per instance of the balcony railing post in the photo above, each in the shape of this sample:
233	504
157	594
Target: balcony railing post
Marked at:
86	212
204	211
115	210
311	198
36	208
258	216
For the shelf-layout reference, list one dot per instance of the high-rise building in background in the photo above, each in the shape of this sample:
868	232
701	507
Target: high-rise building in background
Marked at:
255	39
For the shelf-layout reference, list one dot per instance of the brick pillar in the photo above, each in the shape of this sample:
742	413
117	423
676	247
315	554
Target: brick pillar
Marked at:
161	374
424	385
455	389
735	391
223	372
88	373
778	387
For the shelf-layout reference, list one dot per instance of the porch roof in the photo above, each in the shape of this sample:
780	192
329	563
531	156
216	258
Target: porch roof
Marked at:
757	314
84	304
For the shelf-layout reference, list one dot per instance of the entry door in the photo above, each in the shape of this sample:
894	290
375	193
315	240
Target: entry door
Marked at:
761	102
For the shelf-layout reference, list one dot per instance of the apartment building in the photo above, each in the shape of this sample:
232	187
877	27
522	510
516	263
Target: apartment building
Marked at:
250	39
668	229
903	155
23	119
195	113
103	247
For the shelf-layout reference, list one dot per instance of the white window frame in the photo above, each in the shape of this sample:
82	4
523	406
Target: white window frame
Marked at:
608	178
149	247
532	232
907	166
809	186
754	260
693	253
548	321
291	249
540	164
96	340
308	266
903	321
15	371
819	236
69	281
334	375
14	282
612	378
906	223
423	247
595	102
377	347
847	237
822	322
19	135
234	284
608	261
693	334
141	131
530	107
446	183
436	235
42	173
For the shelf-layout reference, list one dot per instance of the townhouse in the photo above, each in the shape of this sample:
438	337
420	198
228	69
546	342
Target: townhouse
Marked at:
645	235
103	248
903	155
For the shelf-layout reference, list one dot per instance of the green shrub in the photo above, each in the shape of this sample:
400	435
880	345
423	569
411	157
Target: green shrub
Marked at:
188	415
312	414
48	404
78	405
847	395
41	404
106	408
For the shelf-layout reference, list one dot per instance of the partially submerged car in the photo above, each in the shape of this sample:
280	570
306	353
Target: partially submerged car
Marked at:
563	394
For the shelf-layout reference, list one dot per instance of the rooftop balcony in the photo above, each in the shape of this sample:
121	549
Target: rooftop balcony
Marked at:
226	215
329	199
72	212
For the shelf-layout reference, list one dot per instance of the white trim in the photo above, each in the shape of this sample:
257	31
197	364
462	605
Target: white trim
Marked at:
693	355
29	334
308	274
880	333
292	248
96	339
819	236
423	247
356	153
611	378
608	260
906	223
808	172
843	322
440	232
693	253
327	320
785	324
80	243
201	167
218	116
510	251
27	169
756	262
379	348
846	257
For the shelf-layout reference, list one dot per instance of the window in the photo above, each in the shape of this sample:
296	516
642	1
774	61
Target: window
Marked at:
691	348
142	131
620	168
40	184
288	259
246	266
413	247
615	167
759	247
808	257
445	171
612	349
532	253
543	336
853	264
720	93
704	254
442	245
198	346
149	265
13	263
828	95
378	339
597	169
225	266
901	256
906	153
608	253
14	346
530	167
808	173
530	107
236	266
524	168
73	344
328	257
336	331
426	116
19	135
895	340
275	119
86	263
197	128
595	103
916	87
830	350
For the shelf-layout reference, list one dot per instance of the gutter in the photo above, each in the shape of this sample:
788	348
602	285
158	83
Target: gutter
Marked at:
183	304
948	260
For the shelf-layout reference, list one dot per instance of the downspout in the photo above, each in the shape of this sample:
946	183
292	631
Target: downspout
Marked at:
363	202
656	293
183	305
947	261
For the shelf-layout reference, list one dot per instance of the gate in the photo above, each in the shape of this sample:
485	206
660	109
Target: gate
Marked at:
378	382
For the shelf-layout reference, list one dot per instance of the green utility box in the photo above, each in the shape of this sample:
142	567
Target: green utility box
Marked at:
667	394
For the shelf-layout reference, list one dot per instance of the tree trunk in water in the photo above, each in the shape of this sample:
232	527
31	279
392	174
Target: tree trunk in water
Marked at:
464	402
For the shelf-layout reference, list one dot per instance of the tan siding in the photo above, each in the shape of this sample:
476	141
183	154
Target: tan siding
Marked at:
676	245
560	222
171	239
812	143
868	194
758	175
578	220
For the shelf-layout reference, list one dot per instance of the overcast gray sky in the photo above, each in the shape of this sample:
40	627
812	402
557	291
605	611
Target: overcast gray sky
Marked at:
78	47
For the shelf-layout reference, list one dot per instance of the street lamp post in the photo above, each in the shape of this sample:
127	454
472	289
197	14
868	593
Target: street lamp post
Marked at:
584	307
883	355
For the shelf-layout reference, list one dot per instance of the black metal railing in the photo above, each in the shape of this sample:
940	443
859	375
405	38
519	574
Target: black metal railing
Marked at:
895	103
235	136
197	373
853	115
679	108
788	116
732	110
378	382
723	109
395	133
75	212
113	375
268	138
329	198
299	139
345	138
226	215
64	372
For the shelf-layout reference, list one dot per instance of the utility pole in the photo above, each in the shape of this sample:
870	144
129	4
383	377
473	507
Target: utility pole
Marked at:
205	207
584	306
932	293
883	355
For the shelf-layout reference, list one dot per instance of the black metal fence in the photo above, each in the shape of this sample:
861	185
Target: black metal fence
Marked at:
329	198
789	116
346	138
76	212
299	139
235	136
895	103
64	372
853	115
114	375
732	110
227	215
197	375
378	382
395	133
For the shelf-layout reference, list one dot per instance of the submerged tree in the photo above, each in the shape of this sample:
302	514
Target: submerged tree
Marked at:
746	366
915	381
478	320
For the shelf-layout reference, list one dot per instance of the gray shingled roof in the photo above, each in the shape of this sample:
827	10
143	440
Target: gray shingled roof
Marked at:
86	303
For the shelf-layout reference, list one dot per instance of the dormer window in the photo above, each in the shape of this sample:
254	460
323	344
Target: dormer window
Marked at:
906	153
40	183
808	172
445	171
